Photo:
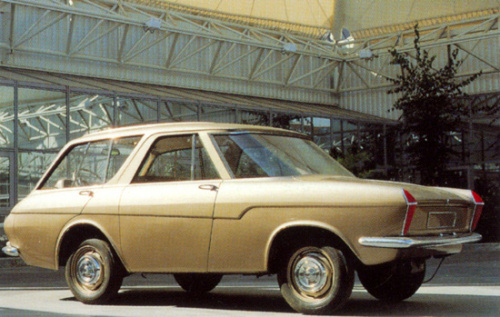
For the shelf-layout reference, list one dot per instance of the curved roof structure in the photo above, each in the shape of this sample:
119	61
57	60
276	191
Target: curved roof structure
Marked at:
317	16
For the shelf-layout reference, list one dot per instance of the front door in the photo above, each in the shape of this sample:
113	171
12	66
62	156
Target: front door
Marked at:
166	213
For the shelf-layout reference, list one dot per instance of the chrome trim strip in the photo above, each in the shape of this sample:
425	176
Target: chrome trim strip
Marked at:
418	242
10	250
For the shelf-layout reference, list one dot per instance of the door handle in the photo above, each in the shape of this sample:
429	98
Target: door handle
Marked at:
87	193
208	187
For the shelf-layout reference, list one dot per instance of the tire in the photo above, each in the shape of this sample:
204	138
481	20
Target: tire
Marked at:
92	272
198	283
316	280
395	282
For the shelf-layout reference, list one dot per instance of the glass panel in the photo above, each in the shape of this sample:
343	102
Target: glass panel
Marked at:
90	113
322	133
87	164
258	155
286	121
6	117
218	114
178	111
120	151
254	117
84	165
4	181
296	124
42	119
136	111
32	166
175	159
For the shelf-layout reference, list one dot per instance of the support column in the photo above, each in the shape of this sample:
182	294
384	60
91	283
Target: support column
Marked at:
386	165
68	114
15	191
470	165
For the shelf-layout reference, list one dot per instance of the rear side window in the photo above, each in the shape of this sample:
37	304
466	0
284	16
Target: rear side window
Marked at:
91	163
176	158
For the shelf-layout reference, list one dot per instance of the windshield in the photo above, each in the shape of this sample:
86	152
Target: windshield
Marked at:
250	155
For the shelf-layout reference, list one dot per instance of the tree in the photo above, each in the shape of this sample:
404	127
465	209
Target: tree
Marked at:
431	101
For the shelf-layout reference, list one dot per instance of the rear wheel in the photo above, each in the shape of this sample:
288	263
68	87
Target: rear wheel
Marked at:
198	283
395	282
316	280
92	273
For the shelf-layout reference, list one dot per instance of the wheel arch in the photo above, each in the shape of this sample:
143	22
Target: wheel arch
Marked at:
77	232
287	236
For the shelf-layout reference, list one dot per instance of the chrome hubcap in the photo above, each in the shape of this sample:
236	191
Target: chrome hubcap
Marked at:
312	274
88	270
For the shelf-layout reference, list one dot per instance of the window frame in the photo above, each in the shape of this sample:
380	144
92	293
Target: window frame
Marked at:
195	135
70	147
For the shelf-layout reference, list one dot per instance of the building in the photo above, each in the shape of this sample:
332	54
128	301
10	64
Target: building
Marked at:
70	67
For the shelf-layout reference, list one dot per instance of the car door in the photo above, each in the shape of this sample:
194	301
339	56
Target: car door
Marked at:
65	192
166	212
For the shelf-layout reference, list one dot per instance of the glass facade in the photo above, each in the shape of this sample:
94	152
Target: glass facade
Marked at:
36	121
6	117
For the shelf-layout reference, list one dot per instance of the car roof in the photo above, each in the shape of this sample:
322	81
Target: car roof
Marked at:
153	128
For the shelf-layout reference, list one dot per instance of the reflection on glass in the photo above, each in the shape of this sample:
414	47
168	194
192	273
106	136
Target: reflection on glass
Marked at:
32	165
91	163
218	114
90	113
322	133
136	111
6	117
42	119
258	155
4	181
177	158
254	117
178	111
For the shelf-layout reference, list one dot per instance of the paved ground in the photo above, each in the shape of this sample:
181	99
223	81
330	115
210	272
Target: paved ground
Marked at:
253	300
467	285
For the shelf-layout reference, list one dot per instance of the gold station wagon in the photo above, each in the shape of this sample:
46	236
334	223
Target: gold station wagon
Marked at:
201	200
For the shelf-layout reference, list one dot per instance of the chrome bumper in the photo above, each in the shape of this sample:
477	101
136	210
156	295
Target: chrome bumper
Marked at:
418	242
10	250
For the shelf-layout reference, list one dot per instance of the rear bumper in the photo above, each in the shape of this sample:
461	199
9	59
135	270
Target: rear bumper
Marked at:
425	242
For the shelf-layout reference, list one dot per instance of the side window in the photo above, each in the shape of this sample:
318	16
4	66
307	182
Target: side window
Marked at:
92	169
176	158
120	151
91	163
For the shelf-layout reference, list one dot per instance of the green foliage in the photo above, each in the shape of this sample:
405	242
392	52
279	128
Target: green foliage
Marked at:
431	102
357	159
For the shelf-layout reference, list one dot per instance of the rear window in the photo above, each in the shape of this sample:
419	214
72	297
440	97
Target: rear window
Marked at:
249	155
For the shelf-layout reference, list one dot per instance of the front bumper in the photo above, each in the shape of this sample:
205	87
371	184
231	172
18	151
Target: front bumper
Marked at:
425	242
10	250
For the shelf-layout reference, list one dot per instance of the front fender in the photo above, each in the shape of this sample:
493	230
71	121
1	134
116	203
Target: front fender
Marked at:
92	228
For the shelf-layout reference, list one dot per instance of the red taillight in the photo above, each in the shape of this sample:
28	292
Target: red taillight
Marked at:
411	203
478	209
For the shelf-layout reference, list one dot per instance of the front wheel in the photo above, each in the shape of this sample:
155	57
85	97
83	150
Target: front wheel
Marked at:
92	273
395	282
197	283
316	280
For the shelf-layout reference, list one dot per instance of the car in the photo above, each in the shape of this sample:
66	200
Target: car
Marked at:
200	200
